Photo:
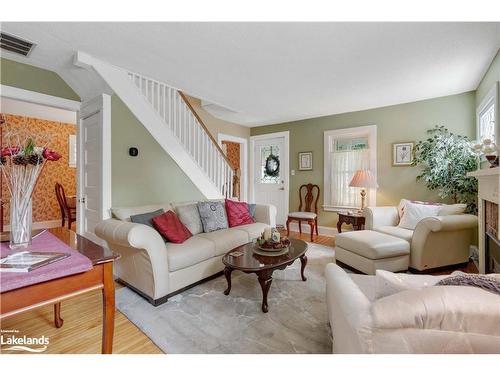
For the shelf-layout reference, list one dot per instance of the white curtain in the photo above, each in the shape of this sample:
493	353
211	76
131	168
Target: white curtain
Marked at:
344	165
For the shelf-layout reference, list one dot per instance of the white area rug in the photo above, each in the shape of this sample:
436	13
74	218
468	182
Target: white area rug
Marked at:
204	320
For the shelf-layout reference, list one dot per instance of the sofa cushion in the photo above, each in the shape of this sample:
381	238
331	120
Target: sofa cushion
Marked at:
388	283
226	239
452	209
403	233
124	213
254	230
372	245
171	228
413	213
190	217
212	215
146	218
190	252
238	213
251	209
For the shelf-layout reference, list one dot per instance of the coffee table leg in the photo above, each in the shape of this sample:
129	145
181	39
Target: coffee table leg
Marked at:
265	280
227	273
303	262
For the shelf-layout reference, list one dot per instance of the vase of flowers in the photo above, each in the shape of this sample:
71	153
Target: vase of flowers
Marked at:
22	160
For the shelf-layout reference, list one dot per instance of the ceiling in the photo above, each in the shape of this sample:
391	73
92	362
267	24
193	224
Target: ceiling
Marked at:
264	73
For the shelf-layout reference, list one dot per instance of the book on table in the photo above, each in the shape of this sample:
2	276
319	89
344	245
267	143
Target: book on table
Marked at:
26	261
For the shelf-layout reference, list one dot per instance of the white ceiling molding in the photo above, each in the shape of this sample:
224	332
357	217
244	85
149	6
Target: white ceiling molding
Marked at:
22	108
275	72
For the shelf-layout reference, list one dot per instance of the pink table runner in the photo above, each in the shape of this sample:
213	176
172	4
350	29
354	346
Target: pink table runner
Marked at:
44	242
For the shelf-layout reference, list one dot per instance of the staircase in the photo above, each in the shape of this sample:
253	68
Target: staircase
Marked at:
185	124
171	120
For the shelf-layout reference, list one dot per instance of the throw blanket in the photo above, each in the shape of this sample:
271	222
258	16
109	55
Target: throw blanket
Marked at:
491	283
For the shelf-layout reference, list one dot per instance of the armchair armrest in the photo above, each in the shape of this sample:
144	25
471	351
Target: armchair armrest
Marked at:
449	223
442	240
266	213
144	261
381	216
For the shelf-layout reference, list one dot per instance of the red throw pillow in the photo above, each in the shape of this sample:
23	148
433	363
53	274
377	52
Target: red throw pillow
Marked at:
238	213
170	227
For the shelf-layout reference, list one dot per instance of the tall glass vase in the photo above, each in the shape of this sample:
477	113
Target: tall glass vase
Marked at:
20	223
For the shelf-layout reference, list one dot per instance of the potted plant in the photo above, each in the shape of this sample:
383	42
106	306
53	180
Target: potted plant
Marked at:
445	159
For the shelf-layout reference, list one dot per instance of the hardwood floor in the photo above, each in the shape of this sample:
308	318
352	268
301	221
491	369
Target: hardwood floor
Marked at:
81	331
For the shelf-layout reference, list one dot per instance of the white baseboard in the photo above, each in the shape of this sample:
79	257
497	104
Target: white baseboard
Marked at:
323	231
41	224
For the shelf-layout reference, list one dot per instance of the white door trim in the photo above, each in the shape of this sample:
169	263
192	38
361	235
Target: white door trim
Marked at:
39	98
253	138
243	157
101	104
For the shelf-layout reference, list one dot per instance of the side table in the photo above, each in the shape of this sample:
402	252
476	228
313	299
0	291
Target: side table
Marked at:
357	220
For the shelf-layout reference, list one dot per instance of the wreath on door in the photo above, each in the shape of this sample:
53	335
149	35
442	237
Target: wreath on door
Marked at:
272	166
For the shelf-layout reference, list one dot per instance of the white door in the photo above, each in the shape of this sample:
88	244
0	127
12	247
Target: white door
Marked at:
94	165
270	172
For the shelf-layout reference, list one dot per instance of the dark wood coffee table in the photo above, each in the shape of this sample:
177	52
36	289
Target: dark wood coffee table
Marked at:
263	266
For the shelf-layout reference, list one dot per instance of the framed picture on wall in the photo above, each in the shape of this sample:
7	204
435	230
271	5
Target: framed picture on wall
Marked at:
402	154
305	161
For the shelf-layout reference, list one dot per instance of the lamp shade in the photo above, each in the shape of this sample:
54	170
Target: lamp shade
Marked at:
363	178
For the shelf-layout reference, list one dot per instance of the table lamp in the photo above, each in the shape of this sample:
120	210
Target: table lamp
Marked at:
364	179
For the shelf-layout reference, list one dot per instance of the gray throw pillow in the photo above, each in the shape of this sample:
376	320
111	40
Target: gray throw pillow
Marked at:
251	209
212	215
189	216
145	218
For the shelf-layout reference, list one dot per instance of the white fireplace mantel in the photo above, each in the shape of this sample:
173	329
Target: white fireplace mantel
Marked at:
488	190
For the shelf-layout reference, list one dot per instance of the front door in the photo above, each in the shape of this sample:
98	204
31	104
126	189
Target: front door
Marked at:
94	161
270	173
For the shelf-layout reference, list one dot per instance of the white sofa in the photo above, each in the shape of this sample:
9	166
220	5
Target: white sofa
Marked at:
437	241
157	269
435	319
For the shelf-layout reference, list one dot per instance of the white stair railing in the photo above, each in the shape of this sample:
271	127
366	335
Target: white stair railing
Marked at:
178	115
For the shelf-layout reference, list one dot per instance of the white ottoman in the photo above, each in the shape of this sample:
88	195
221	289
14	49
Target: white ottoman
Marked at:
368	251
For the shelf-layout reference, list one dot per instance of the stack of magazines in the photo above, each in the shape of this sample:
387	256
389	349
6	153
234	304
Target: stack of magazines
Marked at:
26	261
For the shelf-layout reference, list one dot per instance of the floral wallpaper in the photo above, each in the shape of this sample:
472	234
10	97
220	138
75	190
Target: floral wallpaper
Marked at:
233	153
45	206
232	150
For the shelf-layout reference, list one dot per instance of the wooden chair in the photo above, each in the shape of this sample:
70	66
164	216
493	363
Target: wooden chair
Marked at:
67	212
309	214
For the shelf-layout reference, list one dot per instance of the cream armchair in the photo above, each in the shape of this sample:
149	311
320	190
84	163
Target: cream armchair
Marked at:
424	319
437	241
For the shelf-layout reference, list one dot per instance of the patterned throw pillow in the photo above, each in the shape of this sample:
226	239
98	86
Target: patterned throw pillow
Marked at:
146	218
171	228
238	213
251	209
212	215
190	217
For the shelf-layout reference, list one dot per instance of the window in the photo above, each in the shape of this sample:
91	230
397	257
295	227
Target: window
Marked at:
487	112
346	151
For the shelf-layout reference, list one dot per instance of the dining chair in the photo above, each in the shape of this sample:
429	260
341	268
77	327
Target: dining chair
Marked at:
67	212
310	212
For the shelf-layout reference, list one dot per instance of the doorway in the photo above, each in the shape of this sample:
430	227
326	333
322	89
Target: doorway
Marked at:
236	149
46	126
269	169
93	153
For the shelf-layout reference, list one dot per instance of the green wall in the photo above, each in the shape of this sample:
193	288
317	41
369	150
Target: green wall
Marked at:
28	77
150	177
398	123
491	76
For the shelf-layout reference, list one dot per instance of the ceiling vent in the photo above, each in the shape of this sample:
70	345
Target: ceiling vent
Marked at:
16	45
